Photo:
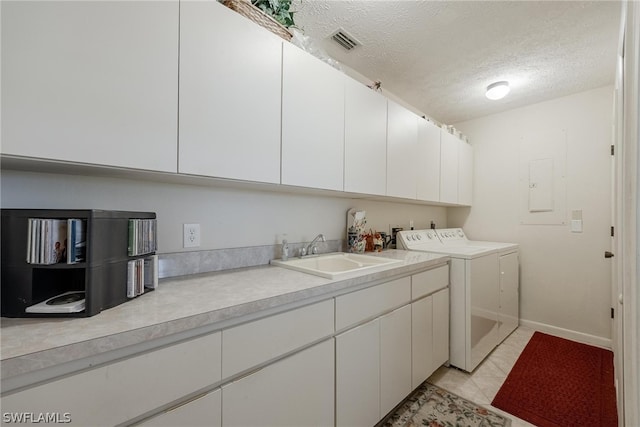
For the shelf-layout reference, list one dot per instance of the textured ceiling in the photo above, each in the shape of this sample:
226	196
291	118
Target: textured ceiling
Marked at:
439	56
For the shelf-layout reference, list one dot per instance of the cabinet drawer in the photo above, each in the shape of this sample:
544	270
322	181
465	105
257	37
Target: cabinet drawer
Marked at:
256	342
203	411
361	305
428	282
126	389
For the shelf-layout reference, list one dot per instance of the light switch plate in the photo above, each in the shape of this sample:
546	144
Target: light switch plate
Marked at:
576	226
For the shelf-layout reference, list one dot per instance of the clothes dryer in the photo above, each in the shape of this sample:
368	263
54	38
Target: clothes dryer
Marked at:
484	290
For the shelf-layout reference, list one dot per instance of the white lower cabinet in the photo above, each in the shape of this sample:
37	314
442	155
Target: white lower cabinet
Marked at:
203	411
295	391
422	339
373	368
395	358
126	389
440	329
358	376
287	369
430	335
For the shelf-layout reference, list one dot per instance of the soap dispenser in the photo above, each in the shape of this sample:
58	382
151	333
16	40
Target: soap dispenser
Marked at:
285	250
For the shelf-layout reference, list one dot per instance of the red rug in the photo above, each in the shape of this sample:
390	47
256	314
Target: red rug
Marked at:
557	382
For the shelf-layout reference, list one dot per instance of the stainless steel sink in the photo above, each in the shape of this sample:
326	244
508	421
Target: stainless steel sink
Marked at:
337	264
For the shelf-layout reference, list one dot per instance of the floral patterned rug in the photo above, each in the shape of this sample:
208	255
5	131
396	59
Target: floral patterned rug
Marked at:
432	406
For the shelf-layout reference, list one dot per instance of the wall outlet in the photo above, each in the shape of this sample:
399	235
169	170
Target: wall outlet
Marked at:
191	236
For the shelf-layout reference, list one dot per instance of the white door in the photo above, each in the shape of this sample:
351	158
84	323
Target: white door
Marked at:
365	140
358	376
312	121
230	95
395	358
91	82
465	173
422	340
297	389
448	167
440	328
428	159
402	144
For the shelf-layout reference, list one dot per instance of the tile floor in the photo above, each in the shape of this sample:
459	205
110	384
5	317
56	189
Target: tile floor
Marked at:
483	384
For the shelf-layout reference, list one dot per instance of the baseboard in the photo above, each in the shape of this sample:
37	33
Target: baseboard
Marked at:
568	334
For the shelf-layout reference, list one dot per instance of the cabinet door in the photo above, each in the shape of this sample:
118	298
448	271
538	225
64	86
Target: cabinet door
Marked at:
509	296
465	173
440	329
91	82
365	140
358	376
428	159
422	327
312	121
448	167
395	358
297	389
203	411
230	95
402	144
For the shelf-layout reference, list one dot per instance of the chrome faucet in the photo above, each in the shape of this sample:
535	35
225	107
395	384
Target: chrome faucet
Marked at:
311	248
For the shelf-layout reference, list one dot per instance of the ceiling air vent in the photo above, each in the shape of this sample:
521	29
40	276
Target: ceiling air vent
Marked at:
345	40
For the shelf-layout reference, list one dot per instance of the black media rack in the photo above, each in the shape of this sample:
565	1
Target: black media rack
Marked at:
102	275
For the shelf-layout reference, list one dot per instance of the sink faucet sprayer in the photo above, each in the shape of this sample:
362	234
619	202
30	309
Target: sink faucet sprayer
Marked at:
311	248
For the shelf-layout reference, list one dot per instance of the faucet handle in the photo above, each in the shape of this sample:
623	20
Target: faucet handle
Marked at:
303	251
314	249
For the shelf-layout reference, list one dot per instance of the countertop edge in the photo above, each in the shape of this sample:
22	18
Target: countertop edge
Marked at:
46	364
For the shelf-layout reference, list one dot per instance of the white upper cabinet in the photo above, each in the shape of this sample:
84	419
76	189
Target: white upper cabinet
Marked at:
230	95
365	140
448	167
402	144
91	82
456	170
428	158
312	121
465	173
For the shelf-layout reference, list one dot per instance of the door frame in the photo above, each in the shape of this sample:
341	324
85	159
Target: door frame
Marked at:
627	208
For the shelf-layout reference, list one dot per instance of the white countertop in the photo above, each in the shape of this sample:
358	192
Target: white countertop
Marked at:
178	305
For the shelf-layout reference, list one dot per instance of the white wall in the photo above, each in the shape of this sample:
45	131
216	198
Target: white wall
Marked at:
565	280
229	218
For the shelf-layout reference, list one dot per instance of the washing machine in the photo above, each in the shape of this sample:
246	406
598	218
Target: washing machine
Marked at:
484	290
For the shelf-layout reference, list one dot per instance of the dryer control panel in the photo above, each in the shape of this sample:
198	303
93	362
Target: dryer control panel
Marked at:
450	235
425	239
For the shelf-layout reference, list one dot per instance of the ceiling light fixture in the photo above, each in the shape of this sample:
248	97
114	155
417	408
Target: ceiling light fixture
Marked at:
497	90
